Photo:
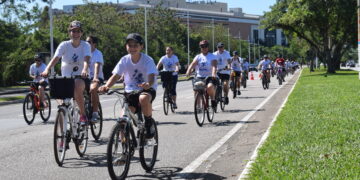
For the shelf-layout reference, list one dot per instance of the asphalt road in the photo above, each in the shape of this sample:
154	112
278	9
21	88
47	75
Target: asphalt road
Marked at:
218	150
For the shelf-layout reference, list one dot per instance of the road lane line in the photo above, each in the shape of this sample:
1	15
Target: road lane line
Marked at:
246	170
198	161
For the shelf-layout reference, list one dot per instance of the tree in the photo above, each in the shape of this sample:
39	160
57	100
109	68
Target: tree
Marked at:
328	26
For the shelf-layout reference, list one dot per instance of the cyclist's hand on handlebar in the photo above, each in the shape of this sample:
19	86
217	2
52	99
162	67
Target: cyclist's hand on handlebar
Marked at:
144	85
84	73
103	89
45	73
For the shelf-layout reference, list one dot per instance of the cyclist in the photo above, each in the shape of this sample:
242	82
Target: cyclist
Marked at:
245	67
205	64
236	71
96	75
75	57
265	66
140	72
223	57
280	63
35	70
170	62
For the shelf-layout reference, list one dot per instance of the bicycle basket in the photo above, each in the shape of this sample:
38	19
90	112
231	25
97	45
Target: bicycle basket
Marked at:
199	85
166	76
61	87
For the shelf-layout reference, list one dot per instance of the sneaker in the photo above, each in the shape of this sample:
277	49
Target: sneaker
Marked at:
120	161
83	120
239	93
174	106
226	100
94	117
150	130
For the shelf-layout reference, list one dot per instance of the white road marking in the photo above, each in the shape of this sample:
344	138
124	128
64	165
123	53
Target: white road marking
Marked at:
198	161
246	170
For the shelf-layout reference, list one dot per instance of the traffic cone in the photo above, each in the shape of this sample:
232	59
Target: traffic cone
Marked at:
251	76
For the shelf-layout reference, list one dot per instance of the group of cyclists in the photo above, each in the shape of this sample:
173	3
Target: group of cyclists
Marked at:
82	60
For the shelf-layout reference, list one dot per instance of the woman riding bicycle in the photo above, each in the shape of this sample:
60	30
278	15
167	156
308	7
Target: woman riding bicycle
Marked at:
205	64
236	71
75	58
35	70
223	58
140	72
265	66
170	62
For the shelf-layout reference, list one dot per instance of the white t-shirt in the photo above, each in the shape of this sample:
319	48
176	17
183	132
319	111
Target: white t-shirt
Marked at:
245	65
222	61
236	64
136	74
36	71
96	57
72	57
169	64
204	68
265	64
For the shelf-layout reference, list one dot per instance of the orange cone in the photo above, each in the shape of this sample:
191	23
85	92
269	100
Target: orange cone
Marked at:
252	76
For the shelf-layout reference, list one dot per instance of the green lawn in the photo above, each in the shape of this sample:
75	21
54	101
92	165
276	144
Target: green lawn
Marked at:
3	99
317	134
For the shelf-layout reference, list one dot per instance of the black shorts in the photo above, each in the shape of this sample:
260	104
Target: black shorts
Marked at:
42	84
236	73
223	76
207	80
133	98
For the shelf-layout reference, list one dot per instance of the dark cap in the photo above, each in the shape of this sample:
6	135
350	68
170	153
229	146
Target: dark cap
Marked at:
235	53
204	42
136	37
266	56
220	44
38	56
75	24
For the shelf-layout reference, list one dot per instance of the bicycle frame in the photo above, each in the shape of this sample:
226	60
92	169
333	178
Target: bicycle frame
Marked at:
36	95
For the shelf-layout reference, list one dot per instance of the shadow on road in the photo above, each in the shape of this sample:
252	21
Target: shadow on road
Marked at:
185	112
227	123
241	110
169	123
158	173
204	176
247	97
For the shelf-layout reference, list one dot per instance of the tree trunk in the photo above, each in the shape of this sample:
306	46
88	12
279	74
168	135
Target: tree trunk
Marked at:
311	65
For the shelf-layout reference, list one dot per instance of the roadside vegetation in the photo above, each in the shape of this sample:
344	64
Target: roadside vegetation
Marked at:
11	98
317	134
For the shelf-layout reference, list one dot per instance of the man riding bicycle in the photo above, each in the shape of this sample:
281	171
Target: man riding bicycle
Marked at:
170	62
280	63
35	70
265	66
139	72
205	64
223	64
75	58
236	68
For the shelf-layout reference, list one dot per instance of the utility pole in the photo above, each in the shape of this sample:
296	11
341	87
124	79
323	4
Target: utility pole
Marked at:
249	50
146	43
51	35
254	52
358	15
229	39
240	42
213	35
188	35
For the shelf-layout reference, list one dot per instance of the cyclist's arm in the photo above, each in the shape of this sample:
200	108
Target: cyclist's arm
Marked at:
96	71
159	65
177	67
112	80
51	64
85	71
147	85
192	65
214	67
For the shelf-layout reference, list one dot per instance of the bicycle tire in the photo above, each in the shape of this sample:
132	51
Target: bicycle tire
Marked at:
264	80
112	149
81	141
58	135
166	102
222	101
210	112
26	109
243	80
147	163
235	87
96	128
199	109
45	116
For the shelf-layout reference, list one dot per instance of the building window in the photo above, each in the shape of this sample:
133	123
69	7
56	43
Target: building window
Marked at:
256	35
270	37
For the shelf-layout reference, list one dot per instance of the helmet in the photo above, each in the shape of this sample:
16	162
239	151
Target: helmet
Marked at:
204	42
235	53
220	44
38	56
266	56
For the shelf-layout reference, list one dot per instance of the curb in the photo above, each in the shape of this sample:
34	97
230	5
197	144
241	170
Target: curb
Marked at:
11	102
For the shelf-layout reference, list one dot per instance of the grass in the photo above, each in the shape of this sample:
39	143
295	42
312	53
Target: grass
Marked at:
12	87
317	134
12	98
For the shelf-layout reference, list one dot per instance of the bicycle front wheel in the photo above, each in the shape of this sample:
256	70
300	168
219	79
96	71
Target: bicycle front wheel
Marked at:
199	109
118	152
59	138
29	109
96	128
148	149
46	111
166	102
81	140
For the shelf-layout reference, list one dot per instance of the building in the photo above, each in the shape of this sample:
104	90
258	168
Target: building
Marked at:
240	24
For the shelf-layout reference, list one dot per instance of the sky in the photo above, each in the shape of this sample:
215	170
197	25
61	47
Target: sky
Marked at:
256	7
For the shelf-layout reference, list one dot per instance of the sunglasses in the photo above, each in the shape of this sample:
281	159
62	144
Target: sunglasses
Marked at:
220	47
75	31
204	46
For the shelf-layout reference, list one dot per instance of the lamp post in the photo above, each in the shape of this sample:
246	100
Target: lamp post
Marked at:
240	42
229	39
188	35
51	34
213	35
146	44
358	15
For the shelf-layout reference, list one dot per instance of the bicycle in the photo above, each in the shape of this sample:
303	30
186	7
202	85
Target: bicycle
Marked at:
280	75
244	79
32	105
96	128
202	102
166	78
264	80
123	141
67	123
235	79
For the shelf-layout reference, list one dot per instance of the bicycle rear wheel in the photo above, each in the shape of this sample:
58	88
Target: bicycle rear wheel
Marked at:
210	111
81	141
46	111
264	81
199	109
235	86
29	109
148	149
243	81
118	152
166	102
59	138
96	128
